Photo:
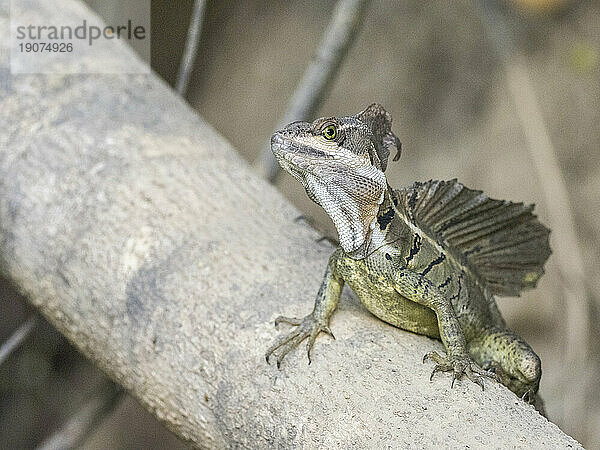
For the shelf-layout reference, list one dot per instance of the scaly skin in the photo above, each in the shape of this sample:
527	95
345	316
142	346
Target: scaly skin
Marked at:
401	272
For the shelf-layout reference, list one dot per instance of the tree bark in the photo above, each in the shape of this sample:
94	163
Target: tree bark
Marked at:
140	234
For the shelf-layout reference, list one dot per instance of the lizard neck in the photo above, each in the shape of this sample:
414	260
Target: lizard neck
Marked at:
386	212
378	227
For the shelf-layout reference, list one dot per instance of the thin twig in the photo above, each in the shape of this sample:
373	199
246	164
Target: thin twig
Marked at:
339	35
566	247
84	421
17	338
191	47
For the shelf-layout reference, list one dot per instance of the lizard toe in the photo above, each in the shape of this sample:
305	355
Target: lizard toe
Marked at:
459	366
437	359
281	341
289	320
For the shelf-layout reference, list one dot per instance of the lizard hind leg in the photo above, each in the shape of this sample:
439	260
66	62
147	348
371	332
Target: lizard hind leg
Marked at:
517	366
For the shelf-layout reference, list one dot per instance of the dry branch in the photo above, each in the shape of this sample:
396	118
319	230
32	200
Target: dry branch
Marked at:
17	338
81	424
190	49
565	244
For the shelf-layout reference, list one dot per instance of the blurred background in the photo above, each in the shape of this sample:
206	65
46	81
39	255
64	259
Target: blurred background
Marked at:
504	96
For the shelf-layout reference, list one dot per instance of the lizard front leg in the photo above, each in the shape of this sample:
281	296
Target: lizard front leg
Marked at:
417	288
317	321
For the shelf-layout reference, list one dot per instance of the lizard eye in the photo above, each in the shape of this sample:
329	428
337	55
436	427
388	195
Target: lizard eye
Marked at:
329	132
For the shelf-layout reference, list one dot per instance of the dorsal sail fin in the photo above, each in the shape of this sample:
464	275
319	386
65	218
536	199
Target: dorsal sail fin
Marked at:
501	242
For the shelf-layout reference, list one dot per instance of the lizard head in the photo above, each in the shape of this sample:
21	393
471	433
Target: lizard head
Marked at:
340	162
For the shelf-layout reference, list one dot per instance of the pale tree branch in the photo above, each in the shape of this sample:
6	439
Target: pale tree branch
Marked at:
81	424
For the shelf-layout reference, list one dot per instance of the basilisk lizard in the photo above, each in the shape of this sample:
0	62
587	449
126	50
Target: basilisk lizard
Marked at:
428	258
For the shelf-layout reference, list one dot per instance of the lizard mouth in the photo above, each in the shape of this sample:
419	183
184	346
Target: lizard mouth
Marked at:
291	156
280	146
296	153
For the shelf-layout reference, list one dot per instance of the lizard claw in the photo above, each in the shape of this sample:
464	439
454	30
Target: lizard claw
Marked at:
327	330
289	320
308	327
479	381
459	366
529	396
435	369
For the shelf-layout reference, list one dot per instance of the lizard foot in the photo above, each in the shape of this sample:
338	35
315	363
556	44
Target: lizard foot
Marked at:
309	327
459	366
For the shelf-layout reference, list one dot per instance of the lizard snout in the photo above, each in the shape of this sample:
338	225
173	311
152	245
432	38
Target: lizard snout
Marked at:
276	139
278	144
